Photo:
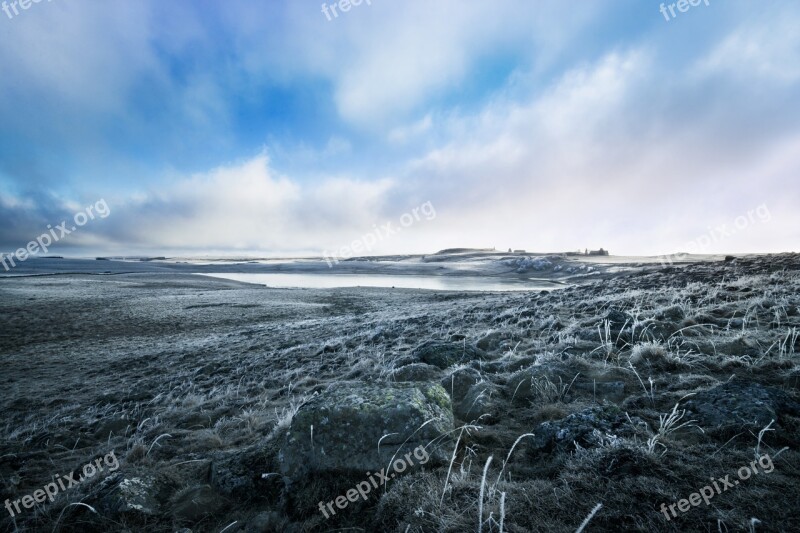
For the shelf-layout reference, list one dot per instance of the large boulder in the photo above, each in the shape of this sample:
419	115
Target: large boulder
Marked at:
740	405
360	427
446	354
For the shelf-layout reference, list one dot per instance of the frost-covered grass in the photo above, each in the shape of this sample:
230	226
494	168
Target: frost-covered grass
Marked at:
195	384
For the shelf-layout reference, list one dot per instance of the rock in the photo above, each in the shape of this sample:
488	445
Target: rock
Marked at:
739	405
194	503
135	496
589	428
417	372
238	473
481	403
446	354
350	419
491	341
618	321
458	383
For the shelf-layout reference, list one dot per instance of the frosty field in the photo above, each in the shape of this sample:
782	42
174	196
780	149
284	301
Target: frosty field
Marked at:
630	389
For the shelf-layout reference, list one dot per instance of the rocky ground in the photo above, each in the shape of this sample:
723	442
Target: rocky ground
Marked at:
241	408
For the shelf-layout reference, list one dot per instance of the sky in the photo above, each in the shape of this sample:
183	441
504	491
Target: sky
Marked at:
270	128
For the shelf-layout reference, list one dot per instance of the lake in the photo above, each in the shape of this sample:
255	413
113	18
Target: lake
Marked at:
438	283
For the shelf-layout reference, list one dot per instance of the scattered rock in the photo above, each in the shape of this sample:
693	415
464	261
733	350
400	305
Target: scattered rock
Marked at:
135	496
417	372
340	429
446	354
481	402
590	428
457	384
738	405
238	474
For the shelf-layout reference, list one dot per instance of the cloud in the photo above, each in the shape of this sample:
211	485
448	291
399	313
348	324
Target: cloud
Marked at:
604	157
767	51
403	134
386	60
244	207
522	132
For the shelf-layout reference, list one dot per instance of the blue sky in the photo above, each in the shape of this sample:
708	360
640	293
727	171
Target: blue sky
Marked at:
262	127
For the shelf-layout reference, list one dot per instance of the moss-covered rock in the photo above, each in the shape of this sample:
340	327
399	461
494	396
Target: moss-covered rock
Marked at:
360	427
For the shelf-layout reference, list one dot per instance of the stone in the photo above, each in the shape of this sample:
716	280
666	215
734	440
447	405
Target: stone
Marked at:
359	427
417	372
740	405
481	404
446	354
590	428
135	496
458	382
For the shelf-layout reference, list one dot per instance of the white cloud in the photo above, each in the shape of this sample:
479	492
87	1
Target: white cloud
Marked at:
762	51
600	158
404	134
246	206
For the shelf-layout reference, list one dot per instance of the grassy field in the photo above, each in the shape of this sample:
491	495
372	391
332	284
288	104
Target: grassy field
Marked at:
630	392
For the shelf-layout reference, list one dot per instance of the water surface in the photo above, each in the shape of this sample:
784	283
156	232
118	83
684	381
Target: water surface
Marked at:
439	283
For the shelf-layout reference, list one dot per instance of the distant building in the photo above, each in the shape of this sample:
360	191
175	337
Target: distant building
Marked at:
597	252
519	251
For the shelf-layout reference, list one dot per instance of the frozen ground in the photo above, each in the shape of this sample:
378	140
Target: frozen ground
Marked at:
194	383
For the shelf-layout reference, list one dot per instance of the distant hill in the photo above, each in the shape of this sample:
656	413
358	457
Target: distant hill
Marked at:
463	250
